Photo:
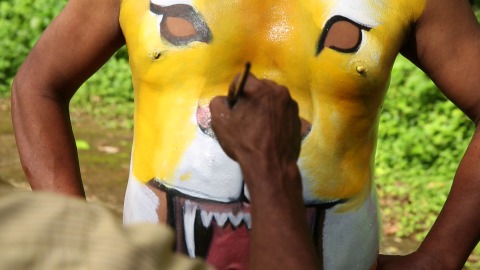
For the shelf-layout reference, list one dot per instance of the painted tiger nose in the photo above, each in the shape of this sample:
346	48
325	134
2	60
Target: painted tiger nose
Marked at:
204	121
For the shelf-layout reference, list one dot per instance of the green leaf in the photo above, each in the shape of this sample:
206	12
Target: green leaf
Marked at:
82	145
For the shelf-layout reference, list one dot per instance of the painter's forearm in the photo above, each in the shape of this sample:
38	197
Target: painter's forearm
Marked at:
280	235
45	141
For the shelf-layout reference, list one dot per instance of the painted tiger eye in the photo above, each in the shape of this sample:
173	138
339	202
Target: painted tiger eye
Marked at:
341	34
178	27
344	36
181	24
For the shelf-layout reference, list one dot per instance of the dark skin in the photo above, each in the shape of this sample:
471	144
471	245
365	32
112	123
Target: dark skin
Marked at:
447	48
44	86
444	42
267	151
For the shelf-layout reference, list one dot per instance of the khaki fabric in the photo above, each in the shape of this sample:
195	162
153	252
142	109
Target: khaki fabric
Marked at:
48	231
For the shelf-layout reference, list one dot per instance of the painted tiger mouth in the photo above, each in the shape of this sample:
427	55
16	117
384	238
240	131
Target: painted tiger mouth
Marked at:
194	211
199	223
199	219
220	218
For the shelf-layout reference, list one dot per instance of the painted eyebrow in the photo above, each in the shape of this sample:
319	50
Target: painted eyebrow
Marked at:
332	21
186	12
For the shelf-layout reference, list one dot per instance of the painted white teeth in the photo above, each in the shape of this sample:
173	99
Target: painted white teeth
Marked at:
248	220
189	211
189	215
206	218
222	218
235	219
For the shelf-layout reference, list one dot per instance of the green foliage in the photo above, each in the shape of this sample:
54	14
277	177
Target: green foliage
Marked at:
476	9
475	3
108	93
420	128
422	138
82	145
21	23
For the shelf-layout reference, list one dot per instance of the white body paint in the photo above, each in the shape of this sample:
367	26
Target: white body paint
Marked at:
189	213
360	11
140	204
172	2
211	173
350	239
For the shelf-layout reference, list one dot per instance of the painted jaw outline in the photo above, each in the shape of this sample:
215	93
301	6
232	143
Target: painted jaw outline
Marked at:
198	218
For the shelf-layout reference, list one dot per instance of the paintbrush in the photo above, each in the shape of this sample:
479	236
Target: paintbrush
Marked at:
238	90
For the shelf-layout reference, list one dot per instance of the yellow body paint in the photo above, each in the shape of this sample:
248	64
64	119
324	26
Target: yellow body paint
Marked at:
339	92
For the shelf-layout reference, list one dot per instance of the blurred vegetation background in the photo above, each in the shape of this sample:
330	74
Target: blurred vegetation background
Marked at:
422	135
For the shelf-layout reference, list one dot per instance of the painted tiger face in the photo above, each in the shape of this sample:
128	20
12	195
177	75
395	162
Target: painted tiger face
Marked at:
334	56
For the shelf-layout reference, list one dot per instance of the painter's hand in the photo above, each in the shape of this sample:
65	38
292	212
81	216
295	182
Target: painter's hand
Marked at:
263	123
261	131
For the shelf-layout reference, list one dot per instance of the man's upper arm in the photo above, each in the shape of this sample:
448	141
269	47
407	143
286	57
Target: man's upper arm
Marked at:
76	44
445	43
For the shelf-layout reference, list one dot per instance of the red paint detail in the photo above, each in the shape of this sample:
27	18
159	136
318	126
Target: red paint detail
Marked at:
203	116
229	248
